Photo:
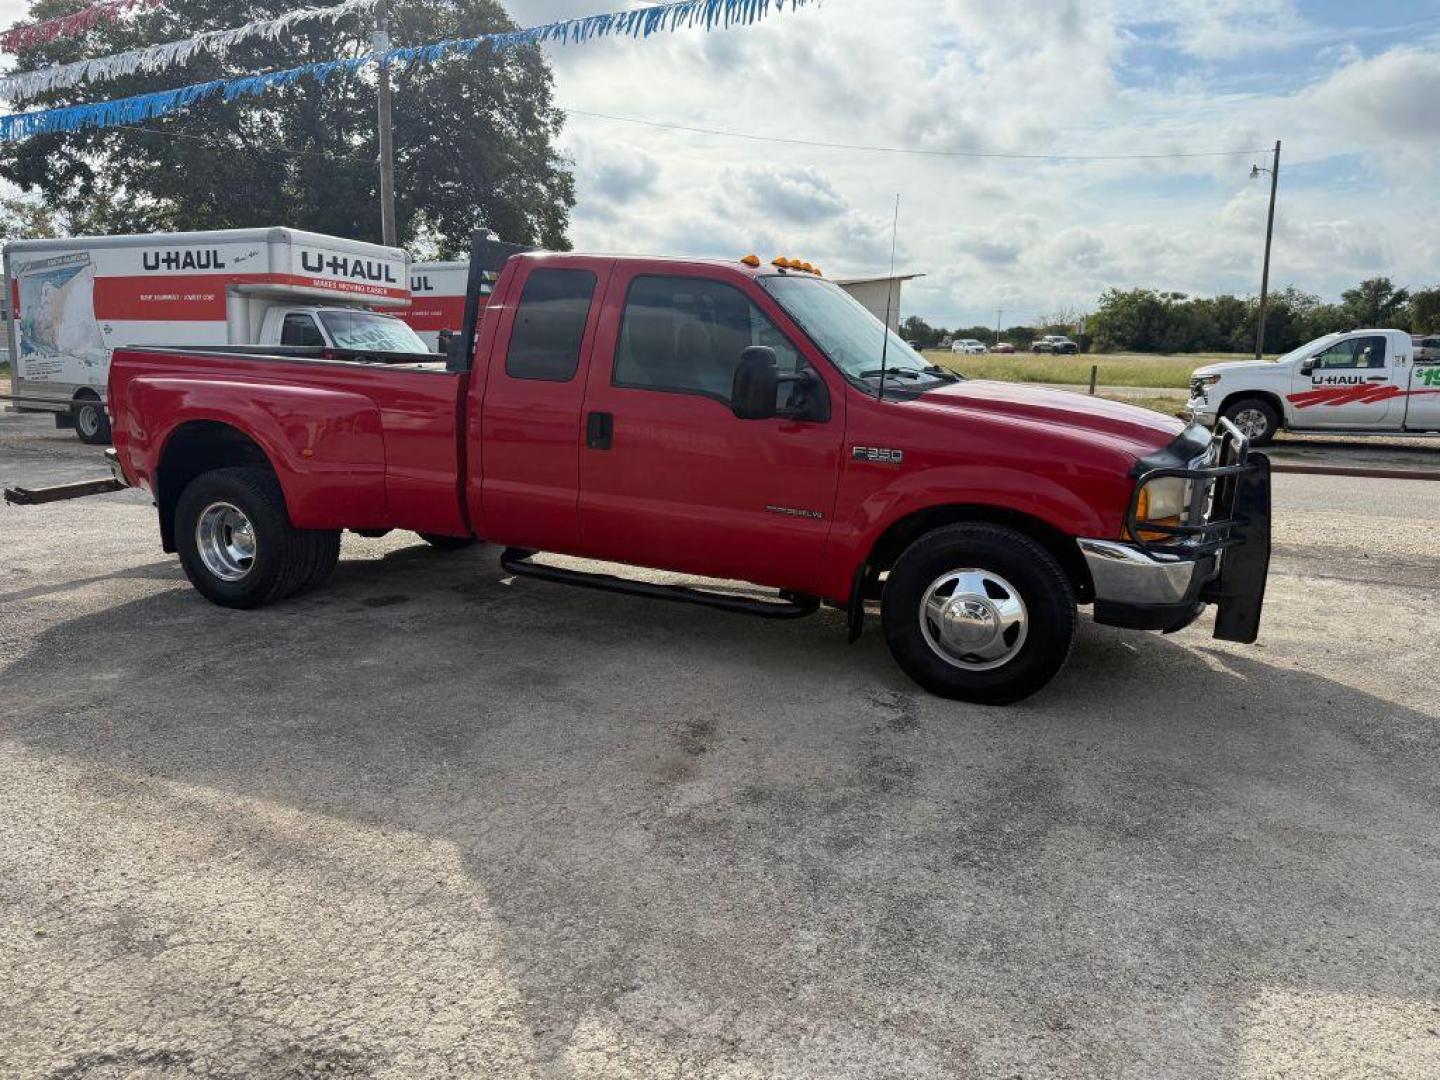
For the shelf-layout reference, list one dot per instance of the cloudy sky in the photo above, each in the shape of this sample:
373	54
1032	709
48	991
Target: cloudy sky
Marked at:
1352	89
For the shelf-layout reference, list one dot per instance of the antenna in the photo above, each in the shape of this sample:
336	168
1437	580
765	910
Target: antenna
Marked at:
889	296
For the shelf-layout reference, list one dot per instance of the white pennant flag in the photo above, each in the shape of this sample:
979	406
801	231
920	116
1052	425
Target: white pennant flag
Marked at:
171	54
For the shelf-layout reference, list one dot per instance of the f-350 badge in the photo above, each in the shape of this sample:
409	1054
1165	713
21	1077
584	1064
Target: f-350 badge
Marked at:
881	455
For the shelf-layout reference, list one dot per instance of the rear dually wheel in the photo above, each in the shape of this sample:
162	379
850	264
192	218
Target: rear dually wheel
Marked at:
236	542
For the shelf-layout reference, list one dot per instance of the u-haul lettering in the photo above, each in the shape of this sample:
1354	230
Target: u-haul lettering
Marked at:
351	268
175	261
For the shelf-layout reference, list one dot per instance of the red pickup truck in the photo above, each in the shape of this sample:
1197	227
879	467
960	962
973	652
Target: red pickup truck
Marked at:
735	421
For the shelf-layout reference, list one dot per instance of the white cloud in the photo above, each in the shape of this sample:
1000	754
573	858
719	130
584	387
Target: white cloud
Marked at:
1395	95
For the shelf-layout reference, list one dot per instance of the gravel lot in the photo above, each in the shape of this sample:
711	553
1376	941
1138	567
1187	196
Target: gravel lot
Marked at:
430	822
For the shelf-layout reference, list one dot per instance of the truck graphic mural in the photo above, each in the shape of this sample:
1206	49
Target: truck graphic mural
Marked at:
57	316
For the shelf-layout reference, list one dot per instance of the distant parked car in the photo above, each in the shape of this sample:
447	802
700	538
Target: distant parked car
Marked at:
968	345
1427	349
1056	343
1003	347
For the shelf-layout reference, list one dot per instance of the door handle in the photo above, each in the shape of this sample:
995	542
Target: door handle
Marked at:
600	430
1378	378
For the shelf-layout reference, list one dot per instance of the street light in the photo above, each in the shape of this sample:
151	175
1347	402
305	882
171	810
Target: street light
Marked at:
1274	171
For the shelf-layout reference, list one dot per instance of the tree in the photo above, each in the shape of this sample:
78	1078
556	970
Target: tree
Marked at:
917	329
1425	311
474	136
1376	303
23	219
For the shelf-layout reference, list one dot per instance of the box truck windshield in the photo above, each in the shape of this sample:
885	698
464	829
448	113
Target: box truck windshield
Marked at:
366	330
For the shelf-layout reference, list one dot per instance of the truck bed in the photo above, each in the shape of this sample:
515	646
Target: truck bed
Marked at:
355	445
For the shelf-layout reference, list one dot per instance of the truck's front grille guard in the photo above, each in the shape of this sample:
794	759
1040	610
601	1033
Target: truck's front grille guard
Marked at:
1214	484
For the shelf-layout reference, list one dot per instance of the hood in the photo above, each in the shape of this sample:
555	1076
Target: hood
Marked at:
1234	365
1135	430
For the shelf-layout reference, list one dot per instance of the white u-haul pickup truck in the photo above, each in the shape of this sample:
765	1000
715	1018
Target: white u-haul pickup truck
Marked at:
74	301
1361	382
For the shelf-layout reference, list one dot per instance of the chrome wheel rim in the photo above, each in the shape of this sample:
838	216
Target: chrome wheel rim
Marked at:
974	619
226	541
87	419
1251	422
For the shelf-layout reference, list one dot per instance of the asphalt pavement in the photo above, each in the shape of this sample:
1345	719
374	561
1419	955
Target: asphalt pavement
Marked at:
434	822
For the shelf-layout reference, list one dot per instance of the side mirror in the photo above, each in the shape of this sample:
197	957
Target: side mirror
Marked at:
756	384
1307	366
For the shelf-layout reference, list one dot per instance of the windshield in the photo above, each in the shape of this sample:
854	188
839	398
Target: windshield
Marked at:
367	330
847	333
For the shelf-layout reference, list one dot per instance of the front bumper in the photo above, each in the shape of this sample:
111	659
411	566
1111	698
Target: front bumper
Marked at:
1222	556
1202	410
1137	591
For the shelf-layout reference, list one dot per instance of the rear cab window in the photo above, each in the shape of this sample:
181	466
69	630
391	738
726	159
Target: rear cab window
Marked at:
549	325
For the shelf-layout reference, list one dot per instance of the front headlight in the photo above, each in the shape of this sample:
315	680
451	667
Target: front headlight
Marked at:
1161	502
1198	381
1161	499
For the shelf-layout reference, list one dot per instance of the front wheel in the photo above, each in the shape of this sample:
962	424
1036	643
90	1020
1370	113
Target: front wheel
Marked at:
92	426
1256	419
980	613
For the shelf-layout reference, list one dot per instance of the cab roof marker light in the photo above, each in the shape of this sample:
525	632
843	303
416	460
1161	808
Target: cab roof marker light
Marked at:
751	261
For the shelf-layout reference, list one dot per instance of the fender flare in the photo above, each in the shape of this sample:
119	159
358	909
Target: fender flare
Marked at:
326	447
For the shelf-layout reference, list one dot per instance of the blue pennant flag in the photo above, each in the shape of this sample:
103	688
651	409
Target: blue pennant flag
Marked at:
636	23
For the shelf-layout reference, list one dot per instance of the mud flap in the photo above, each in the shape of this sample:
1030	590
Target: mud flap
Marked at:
1239	592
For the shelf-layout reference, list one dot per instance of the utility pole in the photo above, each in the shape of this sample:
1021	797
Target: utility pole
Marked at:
380	42
999	317
1274	172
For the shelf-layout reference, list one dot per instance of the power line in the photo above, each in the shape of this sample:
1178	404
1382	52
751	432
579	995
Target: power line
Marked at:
873	149
263	148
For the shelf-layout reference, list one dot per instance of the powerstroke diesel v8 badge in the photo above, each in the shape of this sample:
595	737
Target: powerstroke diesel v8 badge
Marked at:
879	454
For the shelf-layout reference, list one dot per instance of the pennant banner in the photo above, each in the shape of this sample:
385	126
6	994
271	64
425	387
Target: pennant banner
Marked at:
22	37
637	23
171	54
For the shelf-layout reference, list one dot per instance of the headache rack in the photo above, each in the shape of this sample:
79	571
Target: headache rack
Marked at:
1215	515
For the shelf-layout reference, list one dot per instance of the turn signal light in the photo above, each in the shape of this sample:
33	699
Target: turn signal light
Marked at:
1142	516
1155	537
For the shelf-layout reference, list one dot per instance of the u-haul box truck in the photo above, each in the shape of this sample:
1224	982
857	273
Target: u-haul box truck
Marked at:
437	299
73	301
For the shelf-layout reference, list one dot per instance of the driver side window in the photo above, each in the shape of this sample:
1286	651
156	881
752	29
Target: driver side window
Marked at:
300	329
685	335
1366	352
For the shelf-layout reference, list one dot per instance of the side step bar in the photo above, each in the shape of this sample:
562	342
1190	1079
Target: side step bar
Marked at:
38	496
791	606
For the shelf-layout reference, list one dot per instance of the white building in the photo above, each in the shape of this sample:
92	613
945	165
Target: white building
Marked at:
879	294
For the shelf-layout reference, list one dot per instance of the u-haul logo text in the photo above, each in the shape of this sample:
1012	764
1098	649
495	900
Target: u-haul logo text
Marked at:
204	259
343	266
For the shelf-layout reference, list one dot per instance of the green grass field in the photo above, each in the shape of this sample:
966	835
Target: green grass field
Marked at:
1116	369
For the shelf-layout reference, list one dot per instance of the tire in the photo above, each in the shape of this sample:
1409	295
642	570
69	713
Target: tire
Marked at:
246	501
324	555
92	425
1255	417
447	543
1007	566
